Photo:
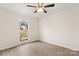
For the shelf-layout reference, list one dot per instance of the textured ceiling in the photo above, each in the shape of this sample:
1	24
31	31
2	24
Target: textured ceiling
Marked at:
21	8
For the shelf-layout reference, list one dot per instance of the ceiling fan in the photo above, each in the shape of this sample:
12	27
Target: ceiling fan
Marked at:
40	7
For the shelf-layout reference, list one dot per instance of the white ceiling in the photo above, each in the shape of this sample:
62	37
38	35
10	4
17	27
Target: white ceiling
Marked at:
21	8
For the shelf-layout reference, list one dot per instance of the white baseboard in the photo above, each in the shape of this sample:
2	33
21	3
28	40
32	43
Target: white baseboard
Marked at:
38	40
17	44
61	45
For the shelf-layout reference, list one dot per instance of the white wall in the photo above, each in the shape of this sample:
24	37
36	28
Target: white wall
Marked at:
61	28
9	29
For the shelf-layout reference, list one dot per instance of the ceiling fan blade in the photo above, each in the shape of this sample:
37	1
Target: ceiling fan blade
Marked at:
50	5
45	11
35	11
31	6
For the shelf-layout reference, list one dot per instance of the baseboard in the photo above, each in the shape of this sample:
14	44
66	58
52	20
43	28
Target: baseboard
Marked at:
38	41
61	45
16	45
29	42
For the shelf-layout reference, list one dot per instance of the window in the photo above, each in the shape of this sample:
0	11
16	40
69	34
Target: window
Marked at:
23	26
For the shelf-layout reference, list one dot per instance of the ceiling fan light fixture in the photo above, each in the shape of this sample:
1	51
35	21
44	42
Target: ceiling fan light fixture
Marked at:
39	10
40	7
